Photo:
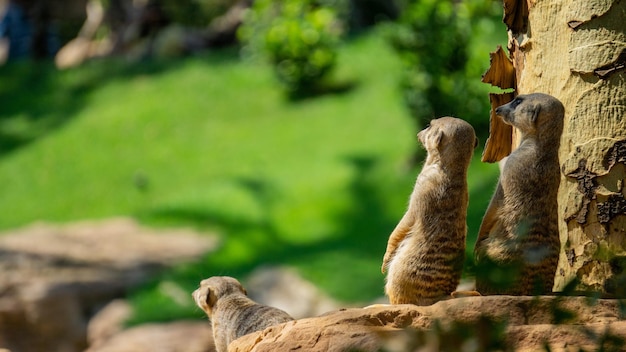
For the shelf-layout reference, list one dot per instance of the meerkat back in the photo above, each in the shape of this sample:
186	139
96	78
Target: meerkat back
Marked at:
426	250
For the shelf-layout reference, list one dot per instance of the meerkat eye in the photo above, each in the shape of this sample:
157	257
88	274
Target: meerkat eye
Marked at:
516	102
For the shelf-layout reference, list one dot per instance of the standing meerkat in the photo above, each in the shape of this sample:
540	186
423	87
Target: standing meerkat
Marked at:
518	244
426	250
231	312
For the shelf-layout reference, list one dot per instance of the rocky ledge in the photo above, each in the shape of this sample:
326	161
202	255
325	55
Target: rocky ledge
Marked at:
56	277
503	323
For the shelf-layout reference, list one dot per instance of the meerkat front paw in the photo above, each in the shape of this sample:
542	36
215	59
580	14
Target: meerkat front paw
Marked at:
459	294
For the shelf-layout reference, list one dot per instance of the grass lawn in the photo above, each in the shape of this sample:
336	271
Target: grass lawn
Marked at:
212	142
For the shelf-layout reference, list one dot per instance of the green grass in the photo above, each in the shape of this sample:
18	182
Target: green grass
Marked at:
212	142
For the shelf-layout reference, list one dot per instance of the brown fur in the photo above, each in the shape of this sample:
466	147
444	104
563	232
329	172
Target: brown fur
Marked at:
231	312
519	232
425	251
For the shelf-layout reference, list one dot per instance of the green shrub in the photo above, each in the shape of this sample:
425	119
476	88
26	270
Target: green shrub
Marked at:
444	45
298	37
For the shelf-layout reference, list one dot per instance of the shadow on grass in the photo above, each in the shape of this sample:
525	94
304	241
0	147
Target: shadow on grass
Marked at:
36	98
33	103
318	90
345	264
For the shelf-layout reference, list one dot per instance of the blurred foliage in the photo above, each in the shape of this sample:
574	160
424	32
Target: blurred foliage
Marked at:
442	45
488	333
358	15
195	13
299	38
485	334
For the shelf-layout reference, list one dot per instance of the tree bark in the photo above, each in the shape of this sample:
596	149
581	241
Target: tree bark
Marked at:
575	50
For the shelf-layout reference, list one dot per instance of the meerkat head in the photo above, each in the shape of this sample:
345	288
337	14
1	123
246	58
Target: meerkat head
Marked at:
449	137
533	113
214	288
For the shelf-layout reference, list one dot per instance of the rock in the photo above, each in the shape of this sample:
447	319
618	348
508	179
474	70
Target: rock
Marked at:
107	332
471	323
283	288
108	322
40	317
180	336
569	337
357	329
55	277
118	243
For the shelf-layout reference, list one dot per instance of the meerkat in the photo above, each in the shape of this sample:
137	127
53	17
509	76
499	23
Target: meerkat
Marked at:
518	244
426	250
231	312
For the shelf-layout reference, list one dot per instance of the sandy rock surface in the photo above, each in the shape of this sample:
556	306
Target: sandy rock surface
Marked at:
471	323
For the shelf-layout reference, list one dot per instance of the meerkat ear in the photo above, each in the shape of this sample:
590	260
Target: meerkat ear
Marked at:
438	137
211	297
476	142
536	111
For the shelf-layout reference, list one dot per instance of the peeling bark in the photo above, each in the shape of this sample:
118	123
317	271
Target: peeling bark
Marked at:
591	9
605	71
501	73
617	154
615	205
498	145
587	186
516	15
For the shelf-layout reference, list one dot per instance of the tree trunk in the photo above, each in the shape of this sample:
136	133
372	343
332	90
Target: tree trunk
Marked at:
575	50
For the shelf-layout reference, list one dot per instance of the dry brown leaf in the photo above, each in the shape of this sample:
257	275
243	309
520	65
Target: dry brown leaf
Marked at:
500	139
501	72
516	15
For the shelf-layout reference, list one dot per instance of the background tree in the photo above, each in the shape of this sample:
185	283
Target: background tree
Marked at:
437	42
576	51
